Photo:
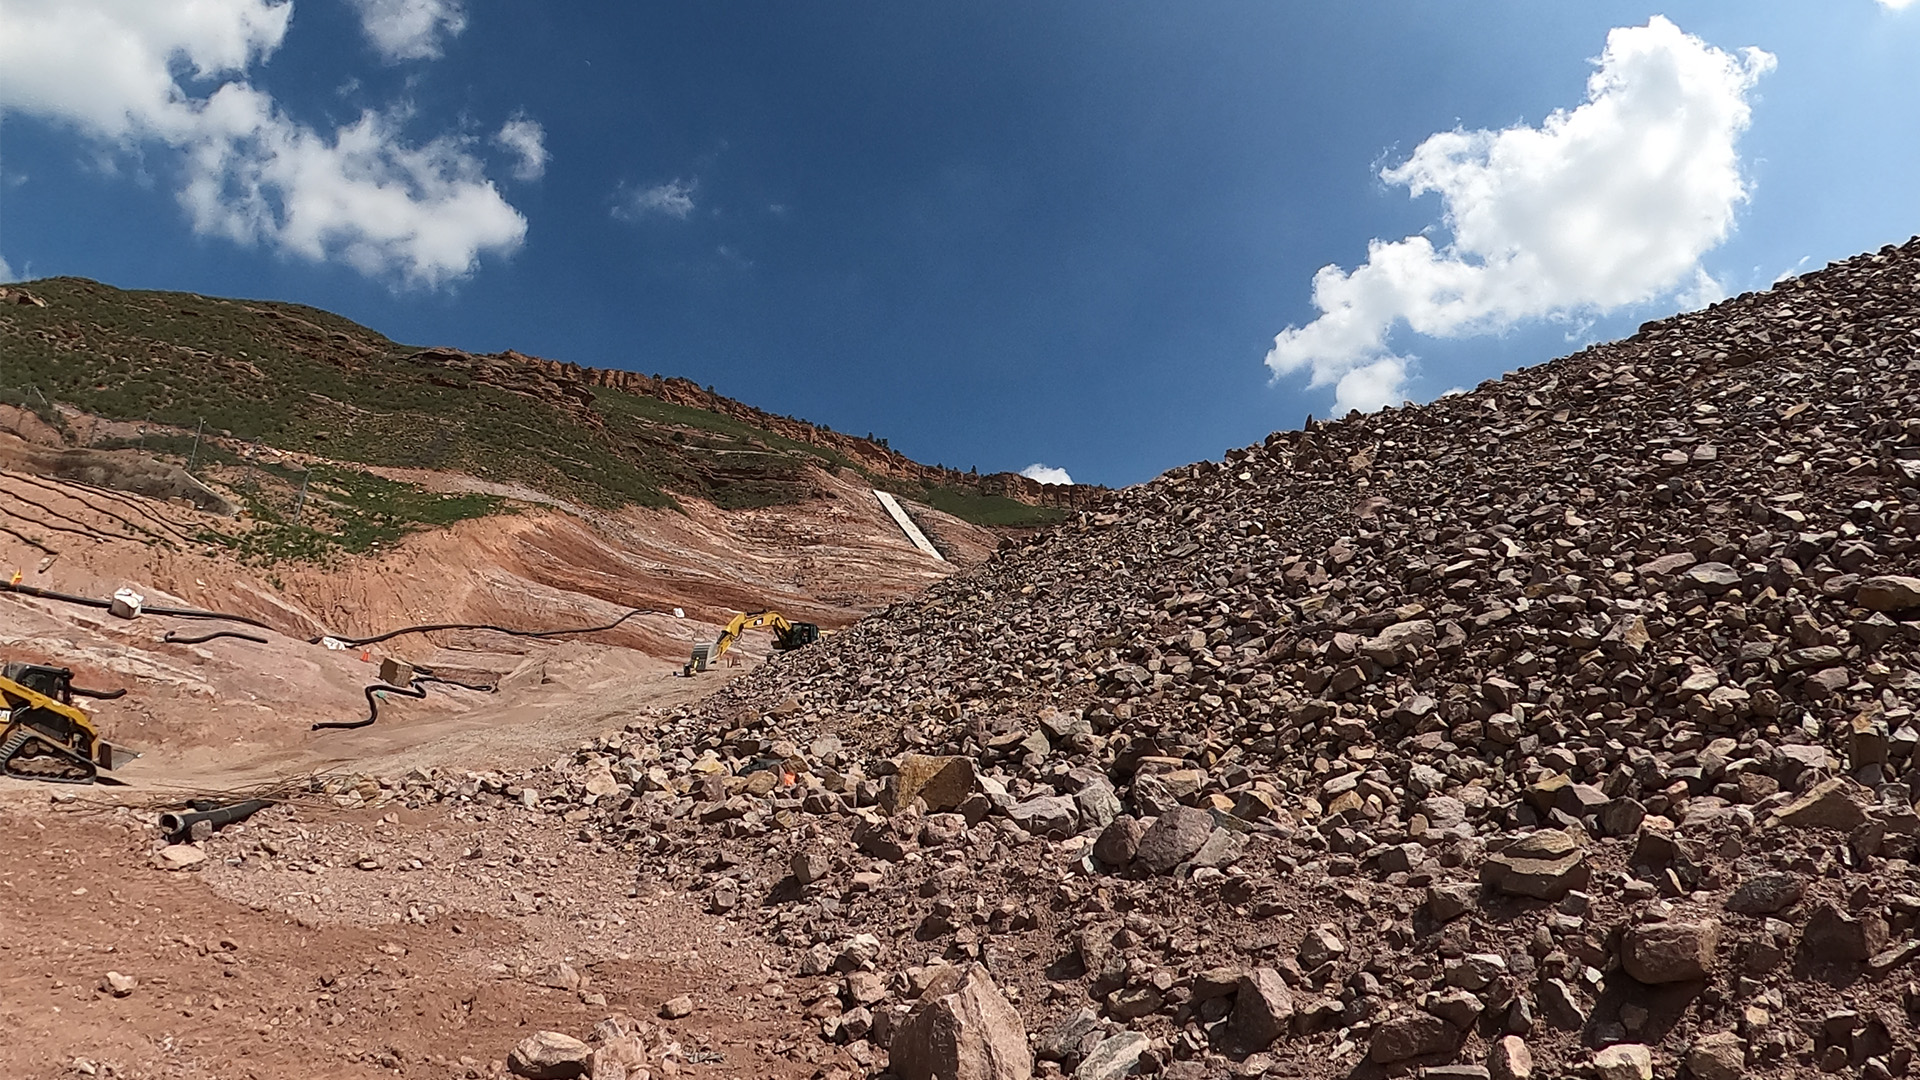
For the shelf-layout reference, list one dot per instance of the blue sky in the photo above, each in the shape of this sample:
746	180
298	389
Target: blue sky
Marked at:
996	233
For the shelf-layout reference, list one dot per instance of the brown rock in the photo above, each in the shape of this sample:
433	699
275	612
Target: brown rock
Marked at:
962	1028
1174	837
1666	952
1889	593
1625	1061
1832	935
1546	865
1411	1035
1262	1009
1119	841
1829	804
1718	1057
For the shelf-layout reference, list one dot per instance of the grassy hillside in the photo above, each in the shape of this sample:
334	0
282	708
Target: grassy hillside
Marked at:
306	380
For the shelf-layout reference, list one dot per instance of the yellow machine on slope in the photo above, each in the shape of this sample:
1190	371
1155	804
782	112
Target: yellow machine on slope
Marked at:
786	635
44	737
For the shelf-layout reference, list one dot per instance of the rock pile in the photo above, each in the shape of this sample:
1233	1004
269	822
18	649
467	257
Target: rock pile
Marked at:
1563	727
618	1048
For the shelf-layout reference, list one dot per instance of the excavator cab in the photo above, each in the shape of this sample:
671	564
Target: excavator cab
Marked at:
786	635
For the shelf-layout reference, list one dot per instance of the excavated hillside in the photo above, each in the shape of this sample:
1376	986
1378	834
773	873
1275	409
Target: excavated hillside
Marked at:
1559	728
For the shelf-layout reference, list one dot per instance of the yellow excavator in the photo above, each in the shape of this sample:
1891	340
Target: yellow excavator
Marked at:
786	635
44	736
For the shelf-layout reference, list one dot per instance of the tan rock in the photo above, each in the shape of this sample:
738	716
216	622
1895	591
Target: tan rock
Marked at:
550	1055
1625	1061
1546	865
180	856
944	782
1510	1059
1718	1057
1829	804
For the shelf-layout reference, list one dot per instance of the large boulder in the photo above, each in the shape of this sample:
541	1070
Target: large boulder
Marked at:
962	1028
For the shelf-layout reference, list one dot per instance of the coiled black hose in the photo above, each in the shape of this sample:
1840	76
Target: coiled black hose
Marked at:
415	689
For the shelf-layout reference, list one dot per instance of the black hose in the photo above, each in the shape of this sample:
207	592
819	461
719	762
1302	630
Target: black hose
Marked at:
192	613
104	605
49	594
415	689
377	638
172	638
373	706
97	695
180	825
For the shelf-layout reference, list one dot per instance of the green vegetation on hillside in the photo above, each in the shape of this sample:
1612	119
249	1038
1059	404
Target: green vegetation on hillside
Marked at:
305	380
292	513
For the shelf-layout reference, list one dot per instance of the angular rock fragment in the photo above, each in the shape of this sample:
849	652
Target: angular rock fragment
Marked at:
962	1028
1545	865
549	1055
1410	1035
1674	951
1830	804
1174	837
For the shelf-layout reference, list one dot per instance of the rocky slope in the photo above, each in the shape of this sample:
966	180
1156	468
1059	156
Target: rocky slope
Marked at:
1564	727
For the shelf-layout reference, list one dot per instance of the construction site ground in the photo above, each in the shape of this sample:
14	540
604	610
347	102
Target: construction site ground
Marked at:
276	970
462	935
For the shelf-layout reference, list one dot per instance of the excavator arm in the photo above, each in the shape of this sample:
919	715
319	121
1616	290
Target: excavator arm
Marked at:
786	635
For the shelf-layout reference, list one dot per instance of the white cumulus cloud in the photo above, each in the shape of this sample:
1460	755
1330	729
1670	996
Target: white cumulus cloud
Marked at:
673	199
410	29
1896	5
1046	474
1611	203
363	193
526	140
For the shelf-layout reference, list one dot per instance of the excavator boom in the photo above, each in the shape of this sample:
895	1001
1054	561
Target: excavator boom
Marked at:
786	635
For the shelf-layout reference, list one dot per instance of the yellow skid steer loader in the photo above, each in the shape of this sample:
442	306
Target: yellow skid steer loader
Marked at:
43	736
